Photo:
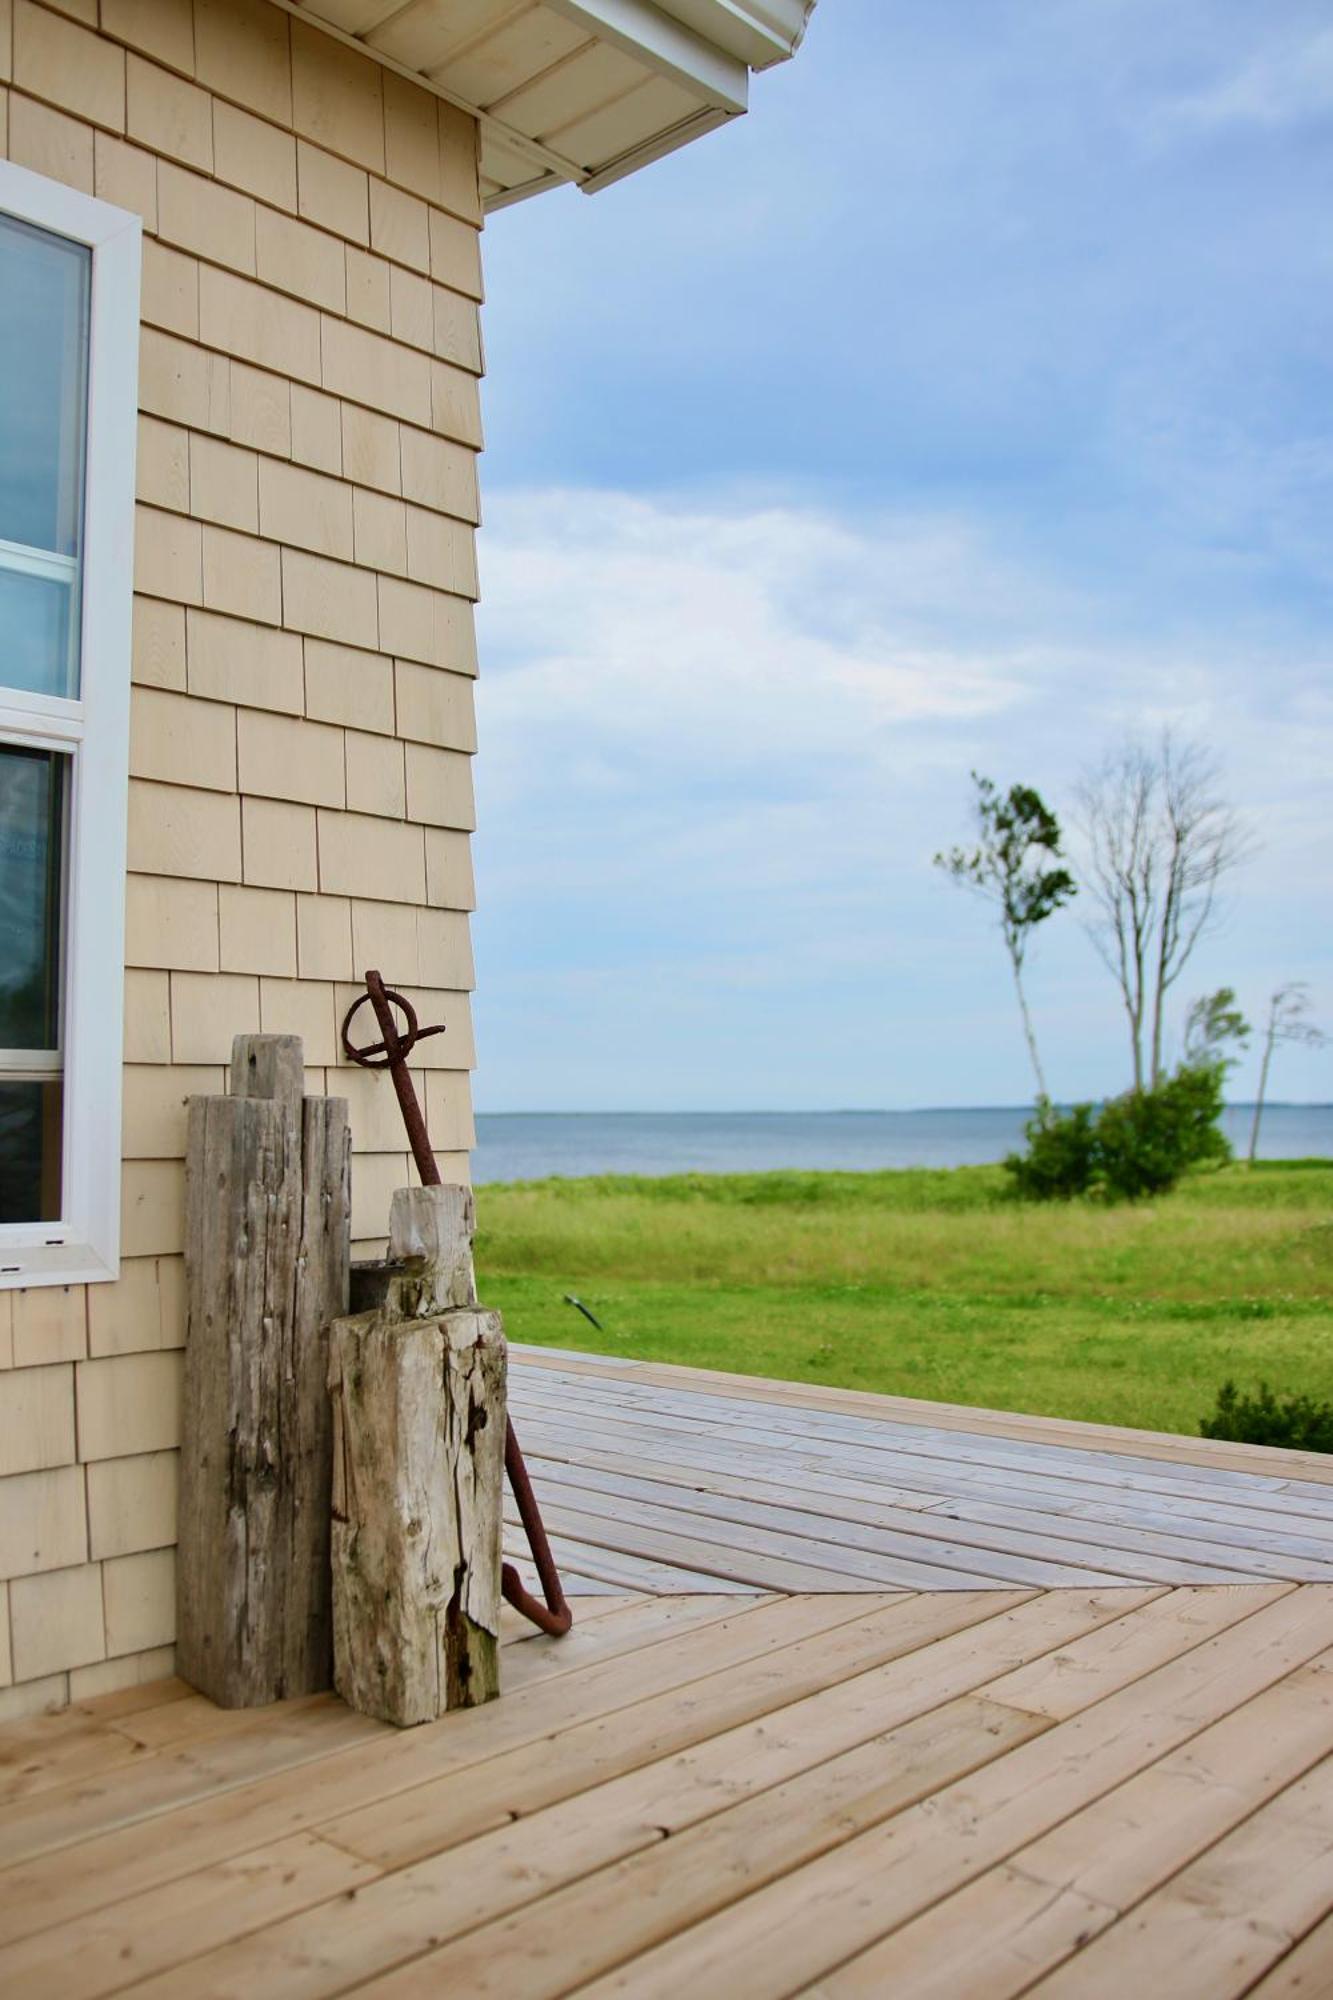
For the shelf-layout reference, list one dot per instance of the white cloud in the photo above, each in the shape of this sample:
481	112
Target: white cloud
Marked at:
699	669
720	743
1283	85
623	634
619	627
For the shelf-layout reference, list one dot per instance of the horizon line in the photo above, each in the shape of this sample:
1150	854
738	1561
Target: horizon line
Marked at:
871	1111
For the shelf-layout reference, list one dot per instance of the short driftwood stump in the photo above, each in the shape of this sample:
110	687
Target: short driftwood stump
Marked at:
418	1471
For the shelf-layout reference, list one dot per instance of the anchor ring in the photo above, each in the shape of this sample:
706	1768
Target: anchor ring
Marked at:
377	1055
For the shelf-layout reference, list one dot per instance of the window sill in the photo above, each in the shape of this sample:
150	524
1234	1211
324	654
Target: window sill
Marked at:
31	1264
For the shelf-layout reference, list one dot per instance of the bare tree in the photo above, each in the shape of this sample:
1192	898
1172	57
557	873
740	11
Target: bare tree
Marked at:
1017	865
1288	1021
1159	840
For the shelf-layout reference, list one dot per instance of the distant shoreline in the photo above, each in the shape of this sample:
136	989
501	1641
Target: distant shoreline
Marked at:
890	1111
573	1145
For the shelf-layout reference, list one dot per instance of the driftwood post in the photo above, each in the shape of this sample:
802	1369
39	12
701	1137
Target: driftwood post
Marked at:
268	1236
418	1389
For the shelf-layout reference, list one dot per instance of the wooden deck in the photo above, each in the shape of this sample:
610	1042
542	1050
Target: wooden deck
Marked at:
812	1734
665	1479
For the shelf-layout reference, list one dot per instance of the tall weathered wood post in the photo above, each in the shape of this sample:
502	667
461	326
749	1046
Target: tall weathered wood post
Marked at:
268	1240
418	1388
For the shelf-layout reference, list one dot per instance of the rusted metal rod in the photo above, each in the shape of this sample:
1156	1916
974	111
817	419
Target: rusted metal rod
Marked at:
391	1052
553	1616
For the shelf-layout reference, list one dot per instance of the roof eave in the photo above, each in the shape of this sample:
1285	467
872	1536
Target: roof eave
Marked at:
655	38
704	48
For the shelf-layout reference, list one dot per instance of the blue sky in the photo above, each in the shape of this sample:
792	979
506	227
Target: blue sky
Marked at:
970	403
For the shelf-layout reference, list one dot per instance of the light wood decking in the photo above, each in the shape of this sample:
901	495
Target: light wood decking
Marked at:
979	1786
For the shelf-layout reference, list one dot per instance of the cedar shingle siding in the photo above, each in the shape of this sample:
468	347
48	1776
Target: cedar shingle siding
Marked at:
302	712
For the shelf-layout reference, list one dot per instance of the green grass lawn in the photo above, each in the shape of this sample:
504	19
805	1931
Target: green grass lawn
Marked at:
934	1284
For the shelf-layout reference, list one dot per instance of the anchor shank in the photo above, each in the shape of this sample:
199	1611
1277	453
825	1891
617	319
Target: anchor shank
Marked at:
554	1615
408	1102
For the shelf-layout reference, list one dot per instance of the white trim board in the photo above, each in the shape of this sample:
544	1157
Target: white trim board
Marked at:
85	1245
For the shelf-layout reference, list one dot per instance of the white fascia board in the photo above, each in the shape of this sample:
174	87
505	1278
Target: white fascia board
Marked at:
759	32
664	45
509	197
655	149
787	20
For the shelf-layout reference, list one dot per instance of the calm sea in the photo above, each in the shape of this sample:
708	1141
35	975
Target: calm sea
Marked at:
520	1145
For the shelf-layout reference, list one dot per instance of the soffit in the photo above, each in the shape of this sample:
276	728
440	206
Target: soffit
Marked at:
574	90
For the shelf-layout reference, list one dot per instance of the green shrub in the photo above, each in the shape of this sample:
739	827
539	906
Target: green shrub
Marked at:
1061	1159
1147	1139
1135	1145
1298	1422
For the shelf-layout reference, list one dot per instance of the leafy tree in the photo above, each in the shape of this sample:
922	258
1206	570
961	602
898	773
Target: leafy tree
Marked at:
1160	840
1213	1025
1018	866
1288	1021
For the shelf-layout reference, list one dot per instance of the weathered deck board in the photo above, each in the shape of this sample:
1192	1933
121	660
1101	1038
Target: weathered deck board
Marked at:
586	1566
1077	1534
1030	1459
977	1547
1280	1465
991	1784
728	1485
802	1475
889	1451
720	1543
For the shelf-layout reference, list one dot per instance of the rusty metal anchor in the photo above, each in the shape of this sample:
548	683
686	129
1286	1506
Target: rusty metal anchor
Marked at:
391	1052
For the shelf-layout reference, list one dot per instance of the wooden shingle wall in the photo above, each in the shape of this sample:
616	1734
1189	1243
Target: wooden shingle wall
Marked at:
302	713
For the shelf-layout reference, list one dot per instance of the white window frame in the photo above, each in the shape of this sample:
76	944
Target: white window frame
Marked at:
84	1245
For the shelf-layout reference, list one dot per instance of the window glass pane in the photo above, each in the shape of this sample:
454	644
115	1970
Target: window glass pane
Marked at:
44	328
30	1119
38	632
32	786
44	282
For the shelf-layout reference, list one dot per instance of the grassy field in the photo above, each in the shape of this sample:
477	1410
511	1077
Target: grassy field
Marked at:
934	1284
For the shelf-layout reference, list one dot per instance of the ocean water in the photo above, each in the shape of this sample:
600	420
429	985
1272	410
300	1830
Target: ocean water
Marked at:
522	1145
